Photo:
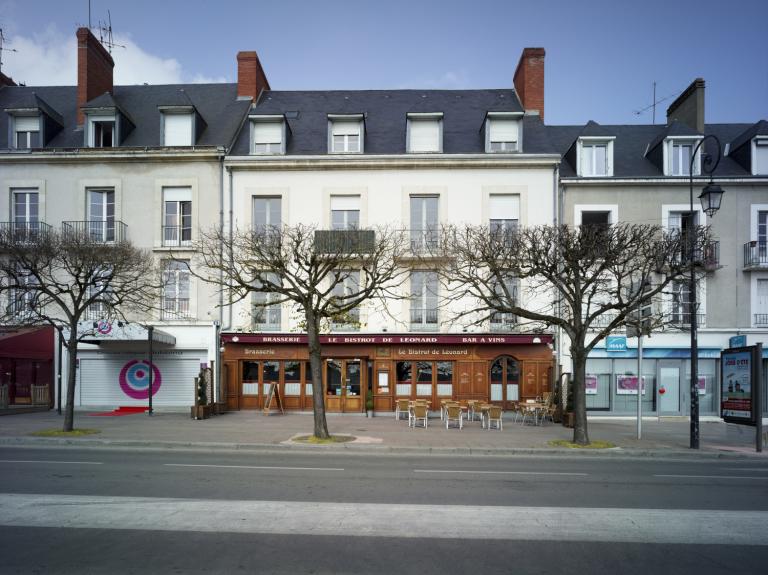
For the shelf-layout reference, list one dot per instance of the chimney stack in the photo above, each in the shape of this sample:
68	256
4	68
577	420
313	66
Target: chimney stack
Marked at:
688	108
94	70
251	79
529	80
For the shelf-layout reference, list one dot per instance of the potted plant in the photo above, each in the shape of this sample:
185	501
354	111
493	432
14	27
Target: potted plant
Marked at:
201	409
369	403
557	398
568	415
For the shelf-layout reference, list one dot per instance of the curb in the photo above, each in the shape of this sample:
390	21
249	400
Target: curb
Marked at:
351	448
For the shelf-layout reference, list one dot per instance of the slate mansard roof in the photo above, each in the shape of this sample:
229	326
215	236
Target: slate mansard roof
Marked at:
385	115
632	143
217	104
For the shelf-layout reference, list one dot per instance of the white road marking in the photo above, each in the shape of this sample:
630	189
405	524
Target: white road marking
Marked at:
667	526
256	467
474	471
50	461
713	477
760	469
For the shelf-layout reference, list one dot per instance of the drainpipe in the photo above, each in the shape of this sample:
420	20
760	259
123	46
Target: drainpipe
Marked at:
231	232
558	193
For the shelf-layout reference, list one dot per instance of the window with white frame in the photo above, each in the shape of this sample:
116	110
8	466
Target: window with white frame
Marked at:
505	293
101	215
345	212
22	300
177	129
25	212
424	223
425	133
504	213
761	303
100	293
595	157
679	153
177	216
266	214
346	135
176	290
424	293
680	296
266	311
502	134
347	285
762	227
101	131
26	132
268	137
760	164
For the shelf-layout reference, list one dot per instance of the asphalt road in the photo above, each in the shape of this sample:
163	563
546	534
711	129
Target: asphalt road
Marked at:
122	511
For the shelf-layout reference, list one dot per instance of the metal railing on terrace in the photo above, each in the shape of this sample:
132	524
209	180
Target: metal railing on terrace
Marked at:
423	319
756	254
682	320
174	308
345	241
102	231
761	319
24	232
502	322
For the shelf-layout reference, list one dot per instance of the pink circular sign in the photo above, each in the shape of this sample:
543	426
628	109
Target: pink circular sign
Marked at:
134	379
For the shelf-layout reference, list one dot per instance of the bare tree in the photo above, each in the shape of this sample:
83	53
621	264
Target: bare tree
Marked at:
61	278
586	281
325	275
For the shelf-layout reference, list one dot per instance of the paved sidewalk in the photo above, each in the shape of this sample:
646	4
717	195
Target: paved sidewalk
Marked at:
253	430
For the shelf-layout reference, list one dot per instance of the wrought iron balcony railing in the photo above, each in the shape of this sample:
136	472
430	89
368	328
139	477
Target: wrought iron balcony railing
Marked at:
177	236
501	322
423	318
100	231
23	232
344	241
174	308
682	320
756	254
761	319
424	241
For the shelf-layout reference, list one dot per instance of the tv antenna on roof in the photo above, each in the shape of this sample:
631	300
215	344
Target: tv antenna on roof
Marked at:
105	34
3	47
655	103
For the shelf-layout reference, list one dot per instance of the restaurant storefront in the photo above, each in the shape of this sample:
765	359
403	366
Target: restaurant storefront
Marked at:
498	368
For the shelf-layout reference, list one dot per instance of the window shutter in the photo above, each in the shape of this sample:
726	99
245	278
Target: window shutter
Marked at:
345	203
761	158
267	132
505	207
177	194
178	130
346	128
424	135
27	123
503	130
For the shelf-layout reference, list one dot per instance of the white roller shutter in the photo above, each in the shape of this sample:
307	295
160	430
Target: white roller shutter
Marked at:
346	128
177	129
503	130
505	207
424	135
173	194
99	383
267	132
27	123
345	203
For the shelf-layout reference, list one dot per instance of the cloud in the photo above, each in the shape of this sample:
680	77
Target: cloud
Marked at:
451	80
49	58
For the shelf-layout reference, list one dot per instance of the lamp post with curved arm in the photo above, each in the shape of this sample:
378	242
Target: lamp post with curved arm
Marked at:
710	198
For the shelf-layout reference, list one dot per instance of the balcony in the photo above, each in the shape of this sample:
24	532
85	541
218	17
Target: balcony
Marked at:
756	255
424	319
332	242
503	322
761	320
174	308
266	318
23	232
707	257
424	241
604	320
99	231
682	320
177	236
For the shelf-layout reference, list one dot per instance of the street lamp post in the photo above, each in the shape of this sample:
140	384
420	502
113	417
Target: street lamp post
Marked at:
710	198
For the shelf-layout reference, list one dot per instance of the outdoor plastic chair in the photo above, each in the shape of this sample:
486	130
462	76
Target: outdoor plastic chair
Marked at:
401	408
494	416
418	413
453	413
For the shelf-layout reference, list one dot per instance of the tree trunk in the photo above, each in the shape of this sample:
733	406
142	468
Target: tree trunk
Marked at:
69	408
316	362
579	358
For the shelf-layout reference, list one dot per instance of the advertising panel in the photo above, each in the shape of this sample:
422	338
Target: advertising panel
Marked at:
736	393
590	382
627	385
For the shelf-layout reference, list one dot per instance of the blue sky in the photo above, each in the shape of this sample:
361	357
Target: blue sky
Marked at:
602	56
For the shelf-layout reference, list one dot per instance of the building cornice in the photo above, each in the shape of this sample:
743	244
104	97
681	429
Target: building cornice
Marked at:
656	181
400	161
86	155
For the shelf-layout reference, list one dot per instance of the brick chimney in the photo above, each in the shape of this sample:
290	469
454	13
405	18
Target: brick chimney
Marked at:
6	80
94	70
529	80
251	79
688	108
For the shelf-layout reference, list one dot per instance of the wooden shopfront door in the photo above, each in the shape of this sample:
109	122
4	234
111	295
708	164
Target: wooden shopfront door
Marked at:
505	381
344	385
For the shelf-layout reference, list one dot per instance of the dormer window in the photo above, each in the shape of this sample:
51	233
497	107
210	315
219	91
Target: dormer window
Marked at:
678	154
595	157
425	133
760	155
269	135
502	132
101	131
178	129
345	134
26	132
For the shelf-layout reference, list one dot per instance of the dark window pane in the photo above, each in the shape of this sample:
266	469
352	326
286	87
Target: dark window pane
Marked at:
403	370
444	371
250	371
292	371
271	371
424	371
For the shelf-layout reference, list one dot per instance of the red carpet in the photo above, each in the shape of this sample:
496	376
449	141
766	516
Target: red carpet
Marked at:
123	410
